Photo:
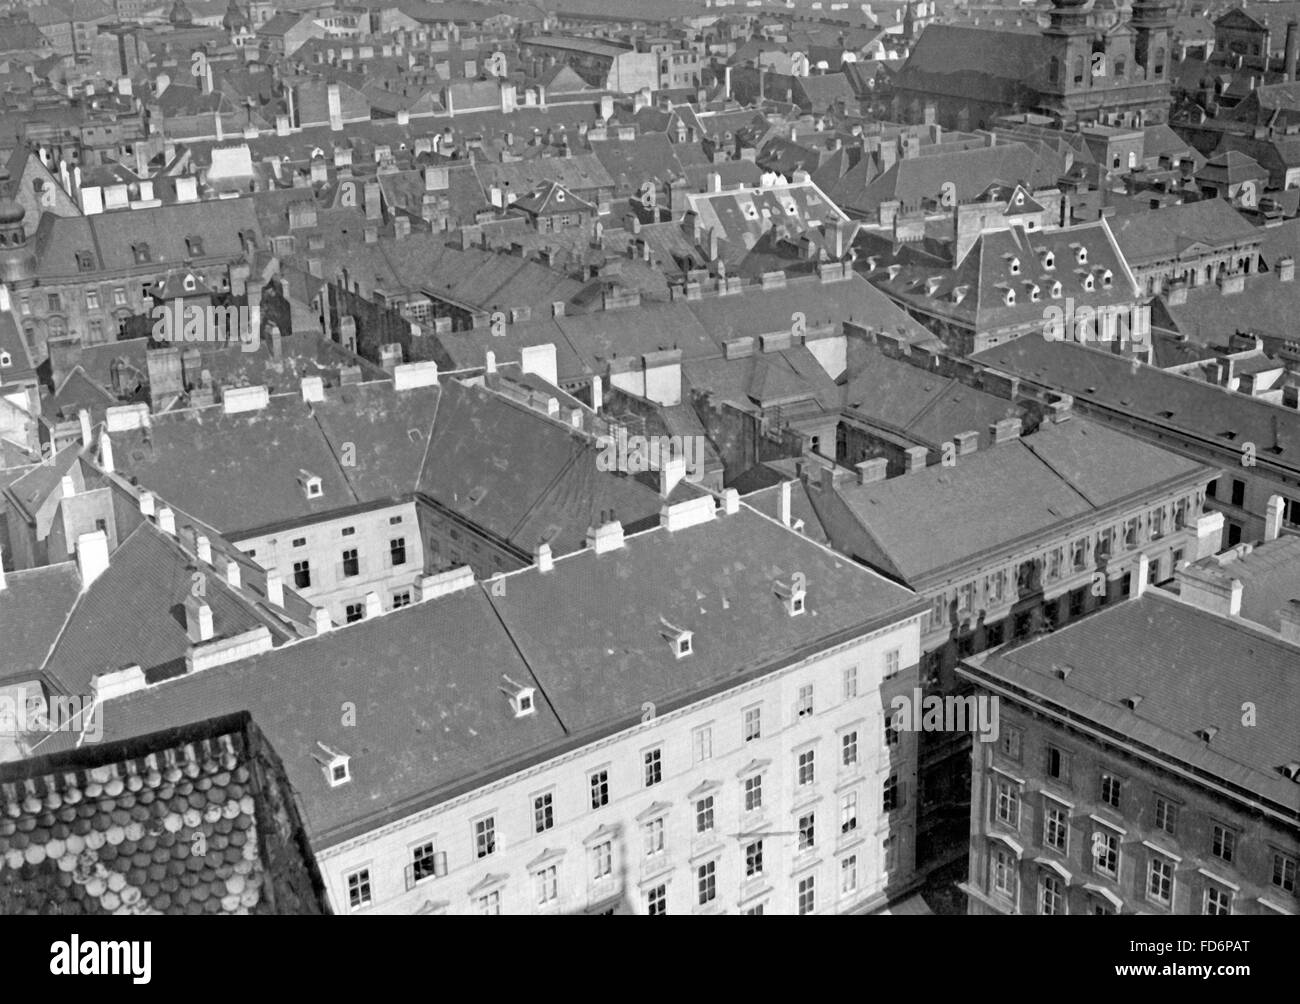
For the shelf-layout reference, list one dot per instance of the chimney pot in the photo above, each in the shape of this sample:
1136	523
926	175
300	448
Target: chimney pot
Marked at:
274	589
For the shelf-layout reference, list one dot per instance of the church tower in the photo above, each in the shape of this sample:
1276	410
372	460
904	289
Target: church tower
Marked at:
1069	44
1151	25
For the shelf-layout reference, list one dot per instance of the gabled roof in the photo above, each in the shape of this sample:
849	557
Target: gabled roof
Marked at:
550	198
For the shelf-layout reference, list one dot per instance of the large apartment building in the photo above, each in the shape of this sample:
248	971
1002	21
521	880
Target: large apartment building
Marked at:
1147	763
688	720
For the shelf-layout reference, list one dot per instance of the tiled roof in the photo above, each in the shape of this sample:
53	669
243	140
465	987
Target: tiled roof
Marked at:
1189	407
993	498
1166	233
33	607
1193	671
990	270
177	823
423	735
132	614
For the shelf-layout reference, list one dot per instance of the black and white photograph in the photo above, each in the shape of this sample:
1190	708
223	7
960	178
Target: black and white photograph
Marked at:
649	458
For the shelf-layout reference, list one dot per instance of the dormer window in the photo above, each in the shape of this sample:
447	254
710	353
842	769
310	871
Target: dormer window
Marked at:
1049	260
141	253
793	596
679	638
336	765
311	484
1081	255
1015	266
6	359
1009	298
194	246
1056	291
522	699
1088	283
189	283
1107	278
1035	294
85	261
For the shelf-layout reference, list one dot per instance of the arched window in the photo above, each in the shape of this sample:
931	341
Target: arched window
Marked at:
1160	62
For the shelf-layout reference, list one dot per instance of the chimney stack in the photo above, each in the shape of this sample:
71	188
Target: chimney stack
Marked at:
198	620
785	502
542	558
92	556
1292	48
167	520
274	589
373	606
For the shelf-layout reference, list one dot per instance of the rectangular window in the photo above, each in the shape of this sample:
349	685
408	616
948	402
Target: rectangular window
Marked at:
397	551
359	889
804	706
890	847
893	659
656	901
1009	743
119	297
1005	872
543	812
702	743
754	793
891	799
1110	786
1218	902
850	682
547	884
354	612
1051	897
422	866
753	723
654	837
302	574
708	882
92	299
1166	815
401	598
807	832
1238	489
351	564
807	895
849	748
348	531
1058	765
1284	871
849	812
1007	808
599	789
1056	827
1223	842
1160	880
849	875
806	767
299	541
704	814
485	837
1105	853
754	859
602	860
490	904
653	767
55	302
755	910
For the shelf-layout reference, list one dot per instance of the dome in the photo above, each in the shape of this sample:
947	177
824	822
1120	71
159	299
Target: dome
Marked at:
11	212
